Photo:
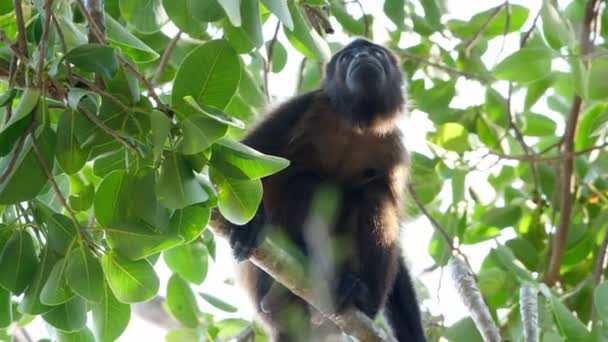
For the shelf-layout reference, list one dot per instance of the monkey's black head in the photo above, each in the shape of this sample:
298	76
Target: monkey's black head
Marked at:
364	83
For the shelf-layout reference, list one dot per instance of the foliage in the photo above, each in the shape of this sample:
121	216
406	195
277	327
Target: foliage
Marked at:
117	141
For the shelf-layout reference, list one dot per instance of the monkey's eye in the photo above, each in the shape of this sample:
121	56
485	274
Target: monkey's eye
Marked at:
377	53
347	56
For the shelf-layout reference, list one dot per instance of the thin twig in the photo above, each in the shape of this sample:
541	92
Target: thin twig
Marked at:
526	36
365	19
443	67
64	46
12	72
600	260
561	235
21	32
43	41
108	130
301	74
15	50
49	175
438	227
165	58
13	161
536	158
96	31
268	62
471	42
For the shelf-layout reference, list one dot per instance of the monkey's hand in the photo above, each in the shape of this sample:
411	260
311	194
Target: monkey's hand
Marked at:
246	238
351	291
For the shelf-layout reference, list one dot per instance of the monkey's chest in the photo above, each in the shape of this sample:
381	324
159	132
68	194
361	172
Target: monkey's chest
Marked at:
345	157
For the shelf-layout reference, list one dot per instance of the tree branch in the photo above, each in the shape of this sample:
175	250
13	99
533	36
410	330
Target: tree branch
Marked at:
21	32
43	42
165	59
559	241
537	158
600	260
288	271
268	62
439	228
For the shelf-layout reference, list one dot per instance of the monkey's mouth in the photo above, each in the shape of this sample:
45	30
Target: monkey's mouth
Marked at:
370	65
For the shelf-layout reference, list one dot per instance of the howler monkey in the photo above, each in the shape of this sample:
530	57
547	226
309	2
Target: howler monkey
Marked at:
342	134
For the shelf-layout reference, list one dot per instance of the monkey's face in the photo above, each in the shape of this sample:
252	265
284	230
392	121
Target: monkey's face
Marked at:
363	81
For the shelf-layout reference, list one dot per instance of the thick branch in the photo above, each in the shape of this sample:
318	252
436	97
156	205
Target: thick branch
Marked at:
288	271
559	241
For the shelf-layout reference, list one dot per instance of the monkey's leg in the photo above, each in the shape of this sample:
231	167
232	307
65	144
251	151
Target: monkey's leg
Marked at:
402	309
369	219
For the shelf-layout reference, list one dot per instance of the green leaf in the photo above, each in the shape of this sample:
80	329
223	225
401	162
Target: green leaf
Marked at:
537	125
215	114
304	38
30	304
18	262
11	130
189	222
60	233
593	117
555	28
181	14
114	205
56	291
70	316
185	334
189	261
70	155
181	301
490	23
598	79
27	177
177	187
6	311
83	199
525	65
279	56
600	300
236	160
161	125
247	36
453	137
200	132
147	16
218	303
463	331
395	11
110	317
229	328
210	74
84	274
501	217
233	10
136	242
537	89
238	200
129	44
104	165
206	11
281	10
570	326
94	58
83	335
130	281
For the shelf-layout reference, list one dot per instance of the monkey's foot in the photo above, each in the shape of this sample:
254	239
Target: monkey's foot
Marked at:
245	239
351	291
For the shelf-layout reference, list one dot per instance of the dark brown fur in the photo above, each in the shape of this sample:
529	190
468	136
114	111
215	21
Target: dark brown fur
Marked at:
367	164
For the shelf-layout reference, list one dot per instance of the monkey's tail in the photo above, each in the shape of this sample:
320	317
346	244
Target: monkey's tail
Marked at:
402	309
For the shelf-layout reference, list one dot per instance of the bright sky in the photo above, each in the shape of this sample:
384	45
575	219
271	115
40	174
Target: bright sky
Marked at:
417	232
